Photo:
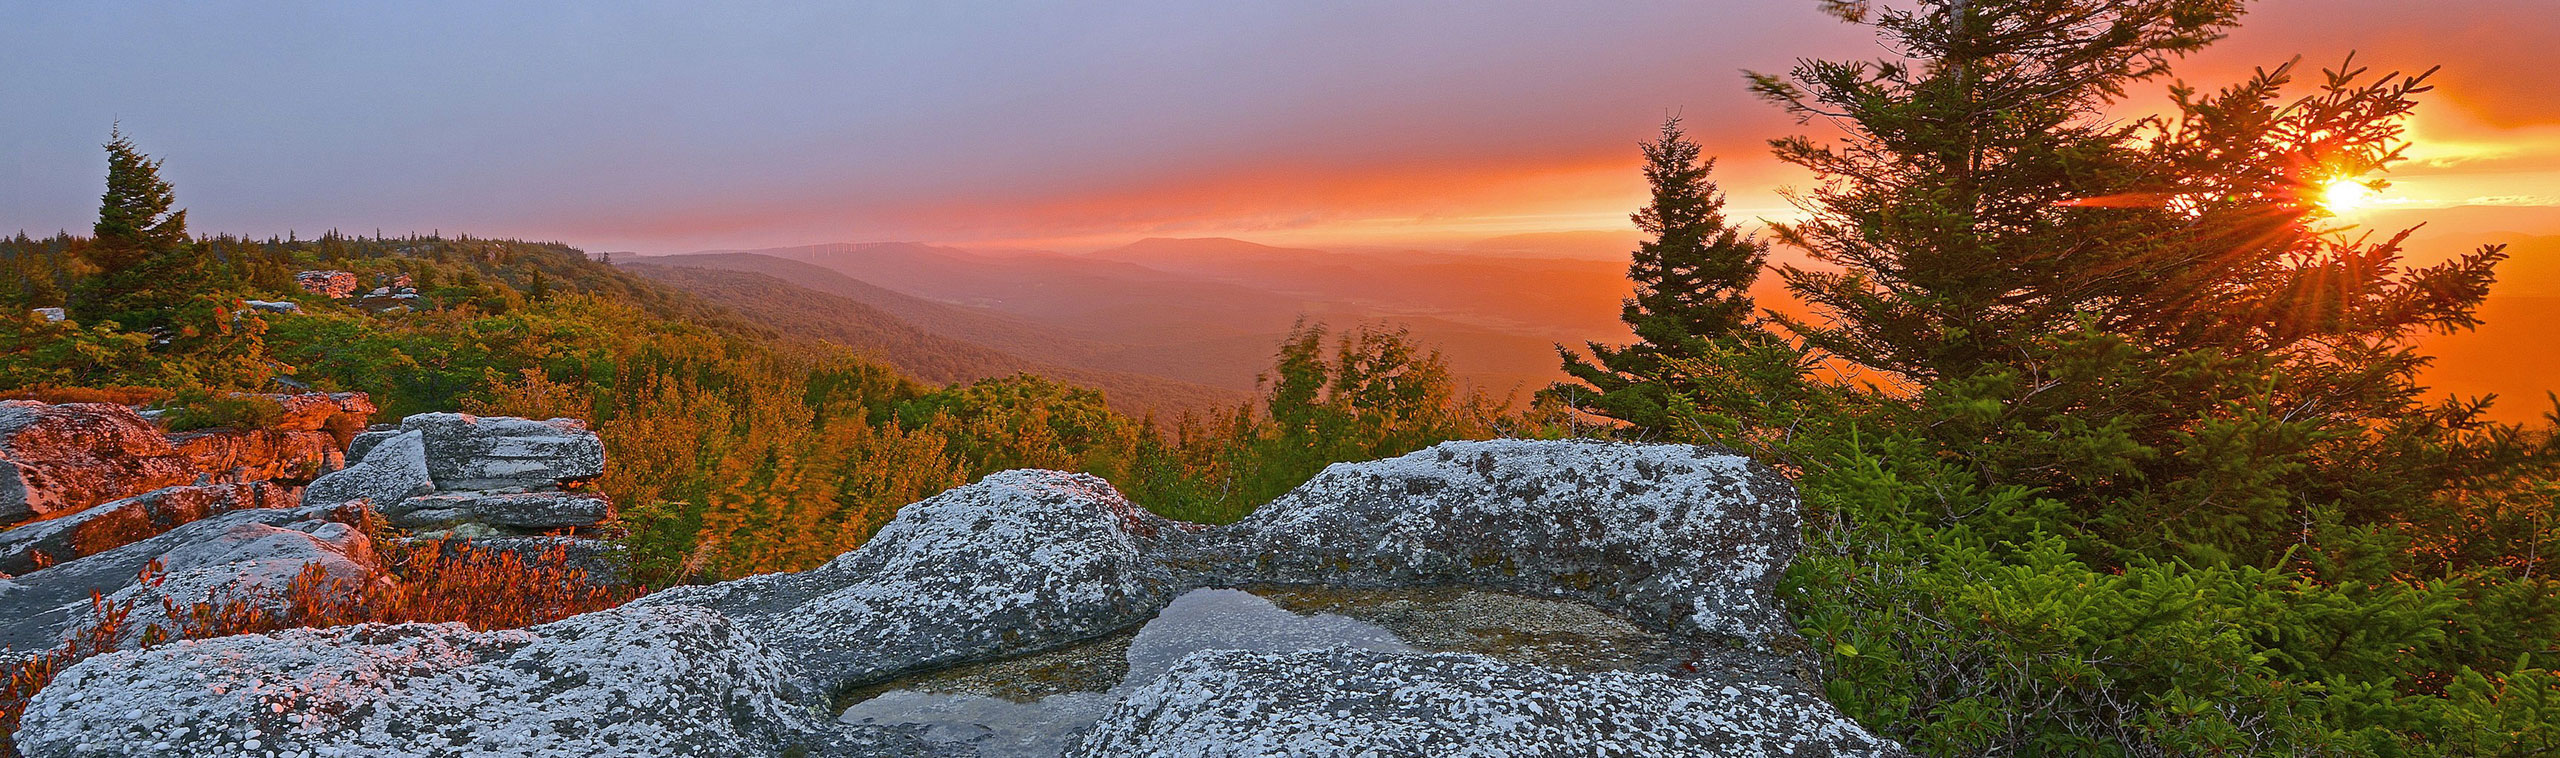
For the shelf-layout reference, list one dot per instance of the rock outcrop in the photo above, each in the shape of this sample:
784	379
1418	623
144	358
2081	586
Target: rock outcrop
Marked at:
1677	548
466	452
59	459
116	523
248	541
55	459
325	283
1675	535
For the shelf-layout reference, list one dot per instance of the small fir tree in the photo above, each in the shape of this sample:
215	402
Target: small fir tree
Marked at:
1692	291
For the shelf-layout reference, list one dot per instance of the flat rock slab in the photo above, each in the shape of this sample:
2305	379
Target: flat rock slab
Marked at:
1369	703
668	681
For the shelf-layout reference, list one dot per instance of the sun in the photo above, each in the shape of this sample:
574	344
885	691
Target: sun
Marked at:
2343	196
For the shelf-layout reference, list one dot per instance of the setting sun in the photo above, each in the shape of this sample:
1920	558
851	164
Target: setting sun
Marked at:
2345	196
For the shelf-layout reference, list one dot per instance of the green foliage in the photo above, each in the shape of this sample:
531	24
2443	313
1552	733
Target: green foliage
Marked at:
2107	445
199	409
1693	282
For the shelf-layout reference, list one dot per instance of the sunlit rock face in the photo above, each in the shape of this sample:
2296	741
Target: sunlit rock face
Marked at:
1506	598
55	459
59	459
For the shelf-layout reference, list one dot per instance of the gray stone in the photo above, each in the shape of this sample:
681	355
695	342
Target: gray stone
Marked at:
1017	562
38	607
1345	702
112	524
391	471
364	441
466	452
1691	538
534	511
625	682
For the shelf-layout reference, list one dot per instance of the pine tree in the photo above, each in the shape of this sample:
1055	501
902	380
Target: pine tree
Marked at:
1692	282
147	272
2146	319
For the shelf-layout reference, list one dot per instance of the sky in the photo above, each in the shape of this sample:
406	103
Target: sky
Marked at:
664	127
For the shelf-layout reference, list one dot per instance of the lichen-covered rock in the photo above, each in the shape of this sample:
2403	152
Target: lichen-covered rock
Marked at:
37	607
1017	562
1344	702
1691	538
466	452
626	682
391	471
533	511
55	459
117	523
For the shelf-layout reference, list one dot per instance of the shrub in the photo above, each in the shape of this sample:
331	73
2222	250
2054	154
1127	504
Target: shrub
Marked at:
199	409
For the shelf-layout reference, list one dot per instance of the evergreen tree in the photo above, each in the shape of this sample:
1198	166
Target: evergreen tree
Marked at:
1692	288
147	272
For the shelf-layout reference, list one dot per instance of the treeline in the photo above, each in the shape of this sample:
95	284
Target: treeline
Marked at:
735	451
2110	438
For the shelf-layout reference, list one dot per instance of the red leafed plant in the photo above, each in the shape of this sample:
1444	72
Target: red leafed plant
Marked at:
424	582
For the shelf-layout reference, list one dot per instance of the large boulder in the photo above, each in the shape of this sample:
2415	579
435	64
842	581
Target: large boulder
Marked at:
626	682
1345	702
466	452
391	471
248	554
1017	562
55	459
1691	538
117	523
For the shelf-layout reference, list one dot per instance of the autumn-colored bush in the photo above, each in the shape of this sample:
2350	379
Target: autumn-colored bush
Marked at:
115	395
